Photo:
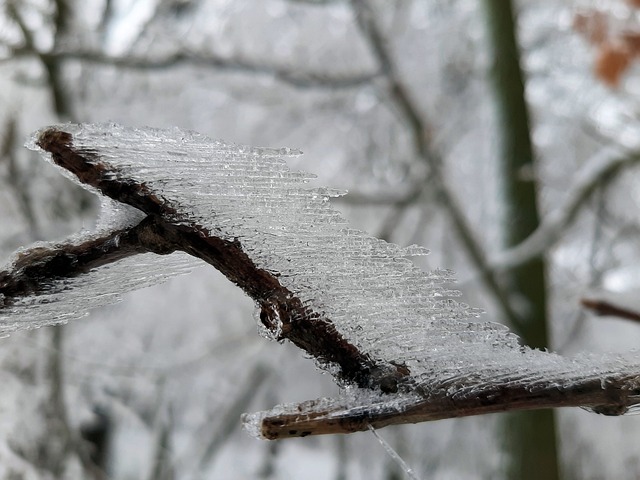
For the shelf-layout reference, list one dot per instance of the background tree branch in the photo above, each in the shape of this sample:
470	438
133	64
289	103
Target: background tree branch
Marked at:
420	130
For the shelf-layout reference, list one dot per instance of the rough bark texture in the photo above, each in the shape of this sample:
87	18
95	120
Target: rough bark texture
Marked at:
308	419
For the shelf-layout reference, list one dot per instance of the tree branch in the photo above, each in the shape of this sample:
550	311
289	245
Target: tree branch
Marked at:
600	170
53	60
165	231
424	386
610	396
228	418
606	308
52	65
235	65
35	269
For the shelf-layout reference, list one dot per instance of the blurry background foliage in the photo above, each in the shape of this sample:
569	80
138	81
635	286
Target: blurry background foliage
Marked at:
461	125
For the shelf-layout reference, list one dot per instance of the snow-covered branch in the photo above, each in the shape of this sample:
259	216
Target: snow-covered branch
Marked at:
284	74
389	333
164	231
597	172
610	395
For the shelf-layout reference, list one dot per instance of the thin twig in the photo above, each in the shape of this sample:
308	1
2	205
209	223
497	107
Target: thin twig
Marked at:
17	181
229	416
283	74
605	308
52	65
162	461
607	396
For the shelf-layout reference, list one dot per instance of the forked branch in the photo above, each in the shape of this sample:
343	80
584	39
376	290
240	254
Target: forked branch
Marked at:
410	357
164	231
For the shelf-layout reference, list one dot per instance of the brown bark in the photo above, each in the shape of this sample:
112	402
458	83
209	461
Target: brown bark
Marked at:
164	231
612	396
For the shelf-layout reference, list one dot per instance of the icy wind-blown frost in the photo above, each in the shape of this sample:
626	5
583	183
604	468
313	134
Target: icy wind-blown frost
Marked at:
72	298
374	296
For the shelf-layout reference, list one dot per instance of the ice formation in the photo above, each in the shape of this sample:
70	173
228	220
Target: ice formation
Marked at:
375	298
72	298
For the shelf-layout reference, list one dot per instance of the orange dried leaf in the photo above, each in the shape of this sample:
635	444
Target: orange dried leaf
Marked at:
592	25
632	41
612	61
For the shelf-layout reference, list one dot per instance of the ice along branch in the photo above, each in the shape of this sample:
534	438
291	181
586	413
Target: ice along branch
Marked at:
608	396
494	379
164	231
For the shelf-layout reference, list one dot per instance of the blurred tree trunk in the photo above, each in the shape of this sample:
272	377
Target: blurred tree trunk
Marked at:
530	436
55	443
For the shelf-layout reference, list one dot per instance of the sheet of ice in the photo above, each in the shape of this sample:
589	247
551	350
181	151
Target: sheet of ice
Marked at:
374	295
74	297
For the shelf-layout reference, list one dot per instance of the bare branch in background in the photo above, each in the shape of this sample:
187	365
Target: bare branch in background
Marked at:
17	181
599	171
606	308
287	75
401	101
69	440
162	463
595	266
52	65
62	440
227	419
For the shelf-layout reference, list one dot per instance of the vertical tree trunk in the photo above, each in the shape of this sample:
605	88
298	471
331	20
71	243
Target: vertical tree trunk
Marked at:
530	436
54	444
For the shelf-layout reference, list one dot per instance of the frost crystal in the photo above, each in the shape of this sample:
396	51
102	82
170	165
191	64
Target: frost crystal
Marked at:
373	295
376	297
72	298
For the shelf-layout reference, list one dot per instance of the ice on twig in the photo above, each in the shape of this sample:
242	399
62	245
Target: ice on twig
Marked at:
72	298
393	314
